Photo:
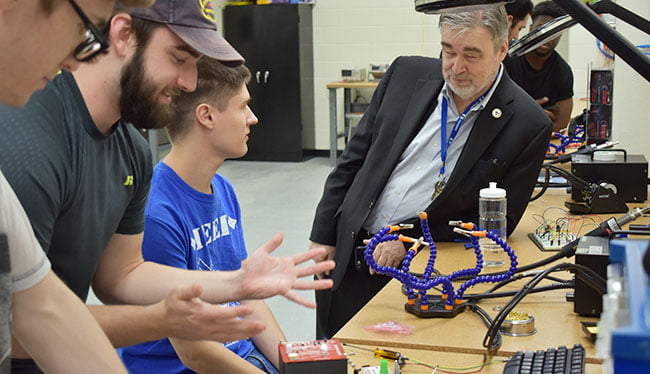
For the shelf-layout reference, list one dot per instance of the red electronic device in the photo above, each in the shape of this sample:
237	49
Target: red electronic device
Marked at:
316	356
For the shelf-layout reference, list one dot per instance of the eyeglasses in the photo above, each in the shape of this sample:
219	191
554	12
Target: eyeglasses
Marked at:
95	43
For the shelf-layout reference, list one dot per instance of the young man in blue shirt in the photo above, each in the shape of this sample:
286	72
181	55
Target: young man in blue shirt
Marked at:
193	220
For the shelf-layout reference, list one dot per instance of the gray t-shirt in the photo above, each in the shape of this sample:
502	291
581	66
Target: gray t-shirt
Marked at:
78	186
22	262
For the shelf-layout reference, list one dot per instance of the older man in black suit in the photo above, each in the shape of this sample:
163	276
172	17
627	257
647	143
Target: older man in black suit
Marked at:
401	160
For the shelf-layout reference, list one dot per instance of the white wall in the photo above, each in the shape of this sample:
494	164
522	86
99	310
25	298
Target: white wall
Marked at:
631	104
355	33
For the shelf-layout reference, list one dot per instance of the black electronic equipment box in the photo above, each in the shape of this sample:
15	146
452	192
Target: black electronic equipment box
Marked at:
628	173
592	252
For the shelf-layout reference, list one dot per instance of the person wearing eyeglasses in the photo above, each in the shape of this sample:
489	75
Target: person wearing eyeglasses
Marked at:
44	36
37	38
82	172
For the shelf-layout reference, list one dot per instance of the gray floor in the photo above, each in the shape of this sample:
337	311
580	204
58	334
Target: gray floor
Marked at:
279	196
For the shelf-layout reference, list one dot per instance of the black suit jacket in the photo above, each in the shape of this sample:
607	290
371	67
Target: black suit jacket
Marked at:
508	149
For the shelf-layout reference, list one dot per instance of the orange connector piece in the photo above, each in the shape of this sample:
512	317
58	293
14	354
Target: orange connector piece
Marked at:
406	239
448	307
458	301
423	215
467	226
410	301
480	234
394	228
444	296
424	307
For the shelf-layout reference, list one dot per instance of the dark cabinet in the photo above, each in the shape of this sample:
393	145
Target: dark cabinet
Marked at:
277	42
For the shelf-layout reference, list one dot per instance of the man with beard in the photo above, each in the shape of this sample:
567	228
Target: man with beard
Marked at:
399	161
543	73
82	172
37	38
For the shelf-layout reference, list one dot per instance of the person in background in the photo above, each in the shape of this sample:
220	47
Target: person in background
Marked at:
518	13
210	125
37	38
394	166
82	171
543	73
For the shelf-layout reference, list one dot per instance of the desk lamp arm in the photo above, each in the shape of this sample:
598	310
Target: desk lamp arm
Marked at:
632	19
613	39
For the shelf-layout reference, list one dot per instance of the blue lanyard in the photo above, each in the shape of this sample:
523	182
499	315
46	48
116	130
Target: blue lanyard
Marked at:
454	131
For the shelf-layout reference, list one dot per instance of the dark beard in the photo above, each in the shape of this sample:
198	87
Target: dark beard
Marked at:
137	100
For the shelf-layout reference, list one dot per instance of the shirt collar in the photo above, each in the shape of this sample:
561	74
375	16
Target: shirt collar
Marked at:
481	105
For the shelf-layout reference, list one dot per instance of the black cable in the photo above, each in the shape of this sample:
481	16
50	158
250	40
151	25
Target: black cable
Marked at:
514	278
554	185
559	280
548	260
547	179
534	265
568	176
521	276
487	321
488	341
583	272
494	295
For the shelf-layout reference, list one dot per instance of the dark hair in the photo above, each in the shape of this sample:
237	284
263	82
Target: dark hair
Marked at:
519	9
143	29
548	8
216	84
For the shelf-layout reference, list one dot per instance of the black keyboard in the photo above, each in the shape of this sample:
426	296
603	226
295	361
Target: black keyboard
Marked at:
560	360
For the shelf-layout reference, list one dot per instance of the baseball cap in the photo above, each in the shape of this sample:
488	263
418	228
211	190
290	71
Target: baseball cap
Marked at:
194	22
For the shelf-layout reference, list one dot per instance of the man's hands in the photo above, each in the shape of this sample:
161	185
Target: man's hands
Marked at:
187	316
264	275
559	113
548	112
388	254
329	251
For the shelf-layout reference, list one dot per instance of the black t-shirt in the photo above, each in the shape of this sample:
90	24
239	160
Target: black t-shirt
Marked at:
554	81
77	185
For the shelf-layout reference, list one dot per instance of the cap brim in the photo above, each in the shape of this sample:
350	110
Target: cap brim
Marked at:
209	43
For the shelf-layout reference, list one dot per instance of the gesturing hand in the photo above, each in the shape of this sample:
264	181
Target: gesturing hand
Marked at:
188	317
264	275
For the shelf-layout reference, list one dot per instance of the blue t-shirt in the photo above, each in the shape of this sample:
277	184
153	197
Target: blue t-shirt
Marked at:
192	230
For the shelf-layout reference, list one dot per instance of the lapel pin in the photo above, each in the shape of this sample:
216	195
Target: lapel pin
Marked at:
496	113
